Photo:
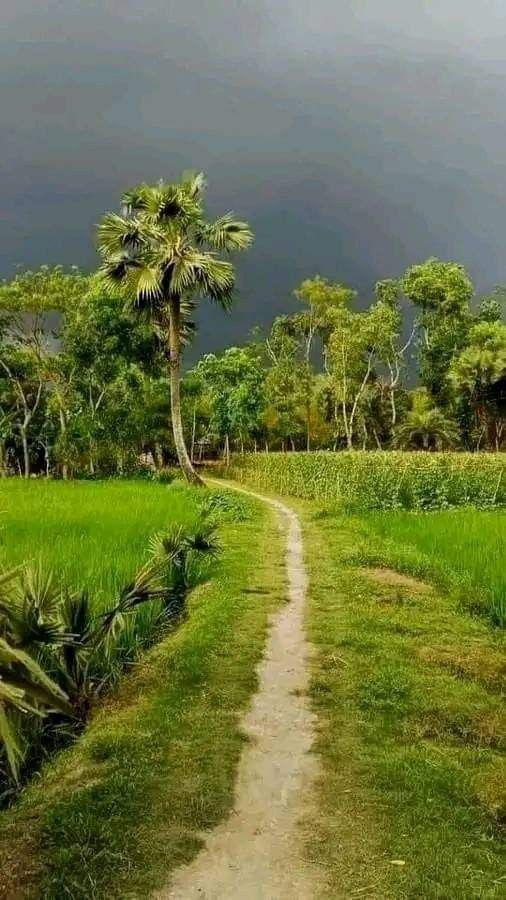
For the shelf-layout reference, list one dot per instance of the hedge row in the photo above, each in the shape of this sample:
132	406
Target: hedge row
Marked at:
379	480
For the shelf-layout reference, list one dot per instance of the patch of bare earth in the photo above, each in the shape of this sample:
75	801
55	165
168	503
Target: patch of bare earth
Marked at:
258	852
391	578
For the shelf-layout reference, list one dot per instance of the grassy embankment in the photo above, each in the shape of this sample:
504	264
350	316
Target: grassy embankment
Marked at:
407	686
407	689
111	816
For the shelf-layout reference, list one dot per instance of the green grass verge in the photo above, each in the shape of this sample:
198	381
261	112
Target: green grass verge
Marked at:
406	686
115	814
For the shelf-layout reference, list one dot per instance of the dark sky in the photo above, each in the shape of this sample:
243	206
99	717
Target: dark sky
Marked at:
357	136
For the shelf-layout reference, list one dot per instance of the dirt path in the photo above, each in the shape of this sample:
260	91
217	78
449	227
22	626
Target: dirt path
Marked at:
257	853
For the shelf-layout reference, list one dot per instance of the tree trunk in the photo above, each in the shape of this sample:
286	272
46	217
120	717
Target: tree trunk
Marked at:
194	428
226	450
158	456
175	398
63	430
26	455
3	460
393	407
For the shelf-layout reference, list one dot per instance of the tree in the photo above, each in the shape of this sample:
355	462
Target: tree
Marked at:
425	427
493	307
164	253
98	380
234	381
354	349
393	348
442	292
479	373
321	298
23	368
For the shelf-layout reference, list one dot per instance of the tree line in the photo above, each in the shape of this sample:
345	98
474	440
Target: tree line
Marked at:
421	366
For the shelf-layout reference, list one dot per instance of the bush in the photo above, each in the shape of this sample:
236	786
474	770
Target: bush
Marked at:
380	480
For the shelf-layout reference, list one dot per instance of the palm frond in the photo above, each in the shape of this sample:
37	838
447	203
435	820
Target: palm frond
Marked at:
195	183
34	612
147	585
227	233
117	234
10	743
23	673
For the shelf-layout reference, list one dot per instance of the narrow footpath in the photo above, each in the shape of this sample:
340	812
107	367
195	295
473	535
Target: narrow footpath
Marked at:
258	853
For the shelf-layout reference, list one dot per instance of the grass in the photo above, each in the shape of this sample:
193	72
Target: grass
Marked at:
90	534
406	686
112	816
463	549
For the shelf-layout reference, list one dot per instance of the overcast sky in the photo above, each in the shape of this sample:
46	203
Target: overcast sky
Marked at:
357	136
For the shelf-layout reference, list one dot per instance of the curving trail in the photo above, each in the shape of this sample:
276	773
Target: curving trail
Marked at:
257	853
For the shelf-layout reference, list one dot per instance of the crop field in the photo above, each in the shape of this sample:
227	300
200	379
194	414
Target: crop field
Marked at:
377	480
90	535
462	549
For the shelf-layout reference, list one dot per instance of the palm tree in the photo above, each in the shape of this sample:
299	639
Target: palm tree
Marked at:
425	426
165	255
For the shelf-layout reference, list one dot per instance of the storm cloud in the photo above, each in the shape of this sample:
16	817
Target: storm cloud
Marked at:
357	136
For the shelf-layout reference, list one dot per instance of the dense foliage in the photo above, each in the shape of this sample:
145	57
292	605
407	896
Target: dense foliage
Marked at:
89	392
63	641
336	374
376	480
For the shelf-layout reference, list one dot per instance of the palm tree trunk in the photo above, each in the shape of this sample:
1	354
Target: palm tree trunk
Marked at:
175	398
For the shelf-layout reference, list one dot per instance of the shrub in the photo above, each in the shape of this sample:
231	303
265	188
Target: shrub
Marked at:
380	480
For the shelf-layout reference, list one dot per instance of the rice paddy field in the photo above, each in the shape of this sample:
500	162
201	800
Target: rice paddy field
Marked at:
462	549
90	535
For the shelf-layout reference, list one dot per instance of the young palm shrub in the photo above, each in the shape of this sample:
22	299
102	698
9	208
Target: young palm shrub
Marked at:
180	552
425	426
57	656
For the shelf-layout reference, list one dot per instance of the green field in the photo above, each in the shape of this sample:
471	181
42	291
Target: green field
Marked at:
91	535
114	814
463	549
407	688
361	480
403	612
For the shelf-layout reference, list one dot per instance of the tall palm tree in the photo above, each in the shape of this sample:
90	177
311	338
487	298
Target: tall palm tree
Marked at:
165	254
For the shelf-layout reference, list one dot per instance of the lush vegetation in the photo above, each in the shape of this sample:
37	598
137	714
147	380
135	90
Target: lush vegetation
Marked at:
88	533
462	550
336	373
110	570
377	480
98	400
96	570
94	397
407	688
110	816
